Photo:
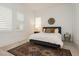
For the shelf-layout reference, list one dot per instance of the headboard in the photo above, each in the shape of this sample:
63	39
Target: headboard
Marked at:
59	28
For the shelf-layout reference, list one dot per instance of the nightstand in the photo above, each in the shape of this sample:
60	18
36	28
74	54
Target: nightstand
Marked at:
67	36
36	32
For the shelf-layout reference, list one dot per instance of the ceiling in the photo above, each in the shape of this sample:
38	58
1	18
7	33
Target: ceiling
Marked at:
41	6
34	6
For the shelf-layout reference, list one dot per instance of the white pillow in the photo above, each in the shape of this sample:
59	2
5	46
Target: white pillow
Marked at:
56	30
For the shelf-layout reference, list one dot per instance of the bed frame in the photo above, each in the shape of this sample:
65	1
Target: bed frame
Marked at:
46	43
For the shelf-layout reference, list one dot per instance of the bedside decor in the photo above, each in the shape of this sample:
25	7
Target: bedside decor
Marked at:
51	21
67	36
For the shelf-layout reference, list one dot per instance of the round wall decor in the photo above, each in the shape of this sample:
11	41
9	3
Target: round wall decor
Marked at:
51	21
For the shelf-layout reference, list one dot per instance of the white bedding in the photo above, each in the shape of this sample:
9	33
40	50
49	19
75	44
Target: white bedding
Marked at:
48	37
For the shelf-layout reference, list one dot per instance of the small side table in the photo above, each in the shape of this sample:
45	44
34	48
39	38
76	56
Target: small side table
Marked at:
36	32
67	36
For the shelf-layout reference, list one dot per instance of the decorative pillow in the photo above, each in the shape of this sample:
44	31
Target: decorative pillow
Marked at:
47	30
50	30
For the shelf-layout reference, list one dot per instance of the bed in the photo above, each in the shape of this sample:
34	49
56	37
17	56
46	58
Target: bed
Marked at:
50	36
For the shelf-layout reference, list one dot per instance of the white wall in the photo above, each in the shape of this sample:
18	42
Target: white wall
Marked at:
76	24
9	37
62	14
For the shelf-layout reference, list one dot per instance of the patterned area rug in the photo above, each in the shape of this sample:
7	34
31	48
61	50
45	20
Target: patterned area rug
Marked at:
30	49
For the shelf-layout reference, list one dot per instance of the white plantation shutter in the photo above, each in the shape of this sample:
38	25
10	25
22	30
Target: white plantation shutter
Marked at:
20	21
5	18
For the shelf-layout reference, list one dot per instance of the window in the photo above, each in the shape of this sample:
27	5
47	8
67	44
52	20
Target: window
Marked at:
5	18
20	21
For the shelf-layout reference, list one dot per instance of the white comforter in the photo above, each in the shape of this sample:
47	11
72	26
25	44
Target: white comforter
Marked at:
48	37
